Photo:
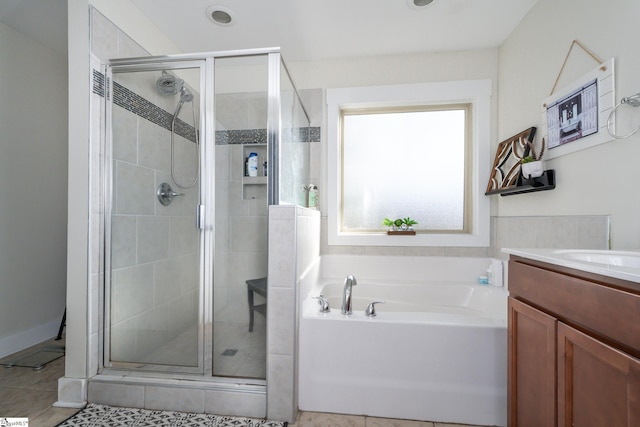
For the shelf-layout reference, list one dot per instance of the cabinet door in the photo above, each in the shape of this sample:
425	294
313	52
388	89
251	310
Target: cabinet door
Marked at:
597	384
532	367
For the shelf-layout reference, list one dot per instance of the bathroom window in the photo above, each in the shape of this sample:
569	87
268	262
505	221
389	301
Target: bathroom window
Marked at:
419	151
408	161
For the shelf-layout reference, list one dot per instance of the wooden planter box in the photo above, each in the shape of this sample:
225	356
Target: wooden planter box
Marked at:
402	233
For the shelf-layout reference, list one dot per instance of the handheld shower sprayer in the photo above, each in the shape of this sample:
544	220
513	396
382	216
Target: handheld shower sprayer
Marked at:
168	85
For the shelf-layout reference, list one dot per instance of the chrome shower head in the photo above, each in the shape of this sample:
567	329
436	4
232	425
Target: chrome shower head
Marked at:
169	84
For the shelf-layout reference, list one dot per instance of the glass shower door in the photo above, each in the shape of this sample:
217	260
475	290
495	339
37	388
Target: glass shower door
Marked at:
154	311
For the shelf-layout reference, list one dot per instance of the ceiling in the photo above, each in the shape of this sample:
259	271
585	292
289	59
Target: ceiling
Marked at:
305	29
322	29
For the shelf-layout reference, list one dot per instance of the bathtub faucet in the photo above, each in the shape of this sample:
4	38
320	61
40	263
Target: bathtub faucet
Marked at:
349	282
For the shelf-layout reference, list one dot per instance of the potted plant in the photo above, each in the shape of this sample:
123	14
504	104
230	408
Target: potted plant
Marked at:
531	166
400	226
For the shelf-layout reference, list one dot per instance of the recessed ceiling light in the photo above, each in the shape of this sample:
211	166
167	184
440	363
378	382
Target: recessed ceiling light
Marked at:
418	4
220	15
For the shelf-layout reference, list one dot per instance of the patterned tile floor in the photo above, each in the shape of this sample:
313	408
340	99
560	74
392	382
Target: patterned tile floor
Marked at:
100	415
28	393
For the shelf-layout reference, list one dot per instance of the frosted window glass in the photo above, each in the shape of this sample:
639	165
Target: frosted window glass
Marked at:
403	164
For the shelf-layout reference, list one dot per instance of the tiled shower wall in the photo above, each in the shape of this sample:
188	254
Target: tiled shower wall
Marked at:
154	248
292	253
106	42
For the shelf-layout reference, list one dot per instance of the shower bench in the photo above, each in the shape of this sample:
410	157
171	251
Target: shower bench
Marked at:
258	286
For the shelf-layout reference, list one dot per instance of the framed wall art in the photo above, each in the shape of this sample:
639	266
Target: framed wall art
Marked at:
575	117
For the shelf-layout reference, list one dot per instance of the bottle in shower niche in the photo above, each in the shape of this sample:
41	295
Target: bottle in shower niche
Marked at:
252	164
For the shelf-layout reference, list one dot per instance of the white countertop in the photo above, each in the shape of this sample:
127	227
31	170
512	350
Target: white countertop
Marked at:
563	258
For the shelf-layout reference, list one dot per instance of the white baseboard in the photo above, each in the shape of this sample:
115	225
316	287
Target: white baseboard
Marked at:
72	393
25	339
73	405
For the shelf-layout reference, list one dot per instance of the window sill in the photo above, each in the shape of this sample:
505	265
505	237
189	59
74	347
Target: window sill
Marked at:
382	239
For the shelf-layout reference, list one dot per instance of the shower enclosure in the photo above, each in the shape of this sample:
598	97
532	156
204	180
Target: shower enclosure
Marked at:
185	226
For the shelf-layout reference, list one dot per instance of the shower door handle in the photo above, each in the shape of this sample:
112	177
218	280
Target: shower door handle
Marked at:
199	217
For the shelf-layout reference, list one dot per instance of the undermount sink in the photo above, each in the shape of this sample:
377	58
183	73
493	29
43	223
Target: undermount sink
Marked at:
612	258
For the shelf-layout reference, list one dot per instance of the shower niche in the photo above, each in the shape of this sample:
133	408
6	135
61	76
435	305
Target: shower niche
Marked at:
255	187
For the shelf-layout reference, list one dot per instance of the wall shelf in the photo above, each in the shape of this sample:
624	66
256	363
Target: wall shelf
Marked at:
545	182
254	180
255	187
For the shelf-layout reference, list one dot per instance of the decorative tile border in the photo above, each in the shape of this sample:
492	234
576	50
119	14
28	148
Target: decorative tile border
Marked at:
243	136
133	102
136	104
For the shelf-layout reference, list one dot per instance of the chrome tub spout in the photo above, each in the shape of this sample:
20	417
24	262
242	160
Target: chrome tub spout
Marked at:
349	282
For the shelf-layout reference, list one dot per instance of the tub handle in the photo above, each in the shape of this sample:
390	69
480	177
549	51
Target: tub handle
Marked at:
371	309
324	304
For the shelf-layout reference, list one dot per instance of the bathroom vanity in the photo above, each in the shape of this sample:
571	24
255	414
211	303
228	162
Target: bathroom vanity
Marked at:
574	338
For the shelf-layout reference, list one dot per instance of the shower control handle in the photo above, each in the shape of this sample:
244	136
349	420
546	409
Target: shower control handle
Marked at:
166	194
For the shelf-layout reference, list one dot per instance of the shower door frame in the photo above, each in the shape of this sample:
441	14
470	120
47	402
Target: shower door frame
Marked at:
205	285
206	207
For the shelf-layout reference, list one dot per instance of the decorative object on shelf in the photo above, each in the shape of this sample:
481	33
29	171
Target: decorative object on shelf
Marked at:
572	117
531	168
531	164
400	226
506	166
510	175
634	101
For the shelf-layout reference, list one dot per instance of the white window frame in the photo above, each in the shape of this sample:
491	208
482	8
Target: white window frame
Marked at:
474	92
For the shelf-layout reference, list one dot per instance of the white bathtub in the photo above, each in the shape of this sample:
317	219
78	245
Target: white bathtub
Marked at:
434	352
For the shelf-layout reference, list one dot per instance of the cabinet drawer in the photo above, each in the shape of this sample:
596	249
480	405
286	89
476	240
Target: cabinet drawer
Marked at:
609	312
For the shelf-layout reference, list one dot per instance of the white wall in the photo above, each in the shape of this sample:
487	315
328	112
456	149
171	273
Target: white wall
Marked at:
33	190
598	180
71	392
395	69
390	70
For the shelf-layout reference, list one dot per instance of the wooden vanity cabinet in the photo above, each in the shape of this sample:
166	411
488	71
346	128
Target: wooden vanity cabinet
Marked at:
574	348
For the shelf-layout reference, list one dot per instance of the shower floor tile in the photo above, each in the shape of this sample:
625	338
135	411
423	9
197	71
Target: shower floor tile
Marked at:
250	359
